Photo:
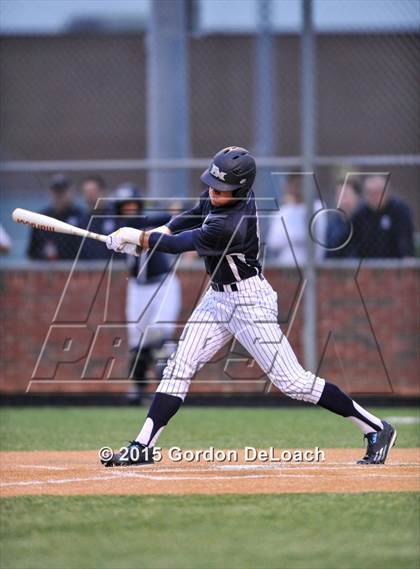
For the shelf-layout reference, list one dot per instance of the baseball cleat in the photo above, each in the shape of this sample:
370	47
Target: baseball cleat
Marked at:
135	454
379	444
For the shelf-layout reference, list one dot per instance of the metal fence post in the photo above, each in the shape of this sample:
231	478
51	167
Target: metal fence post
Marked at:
167	95
264	119
308	137
264	99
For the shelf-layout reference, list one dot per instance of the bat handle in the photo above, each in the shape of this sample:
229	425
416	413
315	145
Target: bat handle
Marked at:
96	236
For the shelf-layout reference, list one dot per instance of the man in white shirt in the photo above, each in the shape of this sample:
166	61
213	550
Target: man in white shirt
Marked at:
286	239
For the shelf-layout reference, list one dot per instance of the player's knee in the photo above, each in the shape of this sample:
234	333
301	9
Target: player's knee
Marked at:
303	387
180	367
290	389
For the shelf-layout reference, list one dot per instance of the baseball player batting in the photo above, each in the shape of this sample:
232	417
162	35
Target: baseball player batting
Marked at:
240	303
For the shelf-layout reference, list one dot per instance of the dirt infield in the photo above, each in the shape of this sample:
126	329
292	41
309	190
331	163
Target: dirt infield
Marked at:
79	472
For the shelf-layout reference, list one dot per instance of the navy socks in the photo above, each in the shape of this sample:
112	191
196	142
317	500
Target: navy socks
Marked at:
162	409
338	402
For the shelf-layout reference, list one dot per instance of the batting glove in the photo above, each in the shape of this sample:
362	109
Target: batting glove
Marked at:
124	240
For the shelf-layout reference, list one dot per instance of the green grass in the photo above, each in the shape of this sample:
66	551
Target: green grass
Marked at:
260	531
48	428
289	531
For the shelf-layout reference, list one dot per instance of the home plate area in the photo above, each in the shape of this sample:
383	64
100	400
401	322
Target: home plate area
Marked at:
80	473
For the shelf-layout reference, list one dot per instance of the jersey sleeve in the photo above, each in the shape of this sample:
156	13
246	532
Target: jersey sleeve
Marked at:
210	240
190	218
156	219
171	243
213	239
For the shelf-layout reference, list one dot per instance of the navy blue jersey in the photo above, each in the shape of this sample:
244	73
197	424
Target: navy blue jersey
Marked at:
227	237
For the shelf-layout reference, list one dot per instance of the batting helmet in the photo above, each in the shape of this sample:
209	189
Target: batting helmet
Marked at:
127	193
232	169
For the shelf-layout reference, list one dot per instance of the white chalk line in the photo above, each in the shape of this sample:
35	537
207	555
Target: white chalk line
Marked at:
182	466
279	467
157	477
42	466
126	475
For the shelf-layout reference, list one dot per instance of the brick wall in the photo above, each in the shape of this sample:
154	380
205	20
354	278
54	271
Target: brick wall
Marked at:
367	330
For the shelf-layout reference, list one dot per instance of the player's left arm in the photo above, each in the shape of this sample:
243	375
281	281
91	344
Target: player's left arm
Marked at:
209	240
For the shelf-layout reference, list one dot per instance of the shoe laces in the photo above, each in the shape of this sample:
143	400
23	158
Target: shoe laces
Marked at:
371	437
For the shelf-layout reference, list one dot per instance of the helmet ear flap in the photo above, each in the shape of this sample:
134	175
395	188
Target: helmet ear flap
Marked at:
250	178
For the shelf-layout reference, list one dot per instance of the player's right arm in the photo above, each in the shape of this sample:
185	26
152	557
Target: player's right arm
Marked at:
178	231
211	239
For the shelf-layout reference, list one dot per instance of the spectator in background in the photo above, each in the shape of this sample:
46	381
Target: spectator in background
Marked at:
98	218
153	298
49	246
5	241
340	242
383	225
295	227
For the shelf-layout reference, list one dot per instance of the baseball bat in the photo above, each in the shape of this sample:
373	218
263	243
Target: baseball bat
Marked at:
46	223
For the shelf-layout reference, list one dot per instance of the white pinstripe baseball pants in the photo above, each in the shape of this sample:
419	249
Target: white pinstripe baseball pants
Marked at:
250	315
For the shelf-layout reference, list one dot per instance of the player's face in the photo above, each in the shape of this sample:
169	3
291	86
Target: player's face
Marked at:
219	199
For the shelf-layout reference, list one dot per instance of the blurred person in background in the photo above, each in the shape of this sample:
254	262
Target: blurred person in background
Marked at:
341	244
383	225
290	223
5	241
98	218
153	298
49	246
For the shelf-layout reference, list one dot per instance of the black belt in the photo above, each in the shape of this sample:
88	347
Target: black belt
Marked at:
225	288
232	287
